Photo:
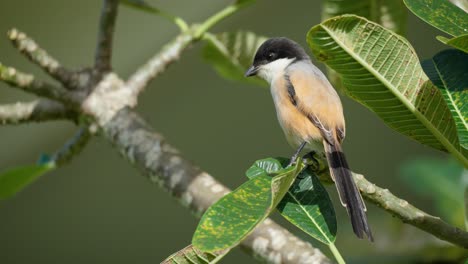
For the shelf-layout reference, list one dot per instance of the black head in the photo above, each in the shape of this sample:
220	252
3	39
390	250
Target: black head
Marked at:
274	49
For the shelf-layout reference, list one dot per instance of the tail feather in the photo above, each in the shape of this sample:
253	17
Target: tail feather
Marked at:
347	189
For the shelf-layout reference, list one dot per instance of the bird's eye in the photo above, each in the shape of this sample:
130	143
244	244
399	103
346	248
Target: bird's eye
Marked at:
271	55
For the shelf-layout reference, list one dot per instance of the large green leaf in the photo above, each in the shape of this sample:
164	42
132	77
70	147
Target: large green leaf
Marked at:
440	14
306	204
460	42
191	255
381	70
231	54
390	14
448	70
440	181
14	180
227	222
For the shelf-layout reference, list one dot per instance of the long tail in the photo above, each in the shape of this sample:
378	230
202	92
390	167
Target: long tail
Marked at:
347	190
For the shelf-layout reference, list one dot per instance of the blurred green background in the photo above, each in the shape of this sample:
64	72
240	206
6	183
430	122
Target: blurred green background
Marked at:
98	209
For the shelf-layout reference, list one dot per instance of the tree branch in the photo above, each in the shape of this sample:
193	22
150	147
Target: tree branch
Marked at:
28	83
171	51
102	61
410	214
159	62
109	103
34	111
73	147
149	152
39	56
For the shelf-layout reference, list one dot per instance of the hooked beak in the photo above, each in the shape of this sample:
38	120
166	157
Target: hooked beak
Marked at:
251	71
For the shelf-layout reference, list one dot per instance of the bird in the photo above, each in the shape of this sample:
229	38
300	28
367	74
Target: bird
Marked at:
310	113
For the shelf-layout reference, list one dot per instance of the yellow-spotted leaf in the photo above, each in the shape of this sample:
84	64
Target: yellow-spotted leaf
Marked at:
381	70
227	222
306	204
440	14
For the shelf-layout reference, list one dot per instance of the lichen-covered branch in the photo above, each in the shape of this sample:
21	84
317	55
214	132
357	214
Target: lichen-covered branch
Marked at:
108	103
151	154
171	51
73	146
39	56
102	61
159	62
410	214
28	83
35	111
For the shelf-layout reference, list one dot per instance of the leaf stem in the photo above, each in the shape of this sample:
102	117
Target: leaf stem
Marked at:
336	253
103	56
178	21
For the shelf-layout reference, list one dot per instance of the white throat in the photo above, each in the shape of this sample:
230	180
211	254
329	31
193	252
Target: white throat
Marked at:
274	69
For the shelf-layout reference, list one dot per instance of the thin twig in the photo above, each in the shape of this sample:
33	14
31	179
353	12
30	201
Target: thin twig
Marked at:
103	57
73	147
410	214
171	52
28	83
159	62
39	56
34	111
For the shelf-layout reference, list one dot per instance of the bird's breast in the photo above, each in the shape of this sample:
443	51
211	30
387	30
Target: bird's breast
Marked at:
296	126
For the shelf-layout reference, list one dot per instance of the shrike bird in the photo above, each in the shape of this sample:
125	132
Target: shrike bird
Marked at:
310	113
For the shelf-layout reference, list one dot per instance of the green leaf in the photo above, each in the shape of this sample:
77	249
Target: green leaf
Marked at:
390	14
448	70
14	180
460	42
440	14
308	206
231	54
440	181
381	70
191	255
227	222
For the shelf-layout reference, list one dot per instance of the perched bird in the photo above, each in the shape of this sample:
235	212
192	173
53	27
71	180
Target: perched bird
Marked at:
310	113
